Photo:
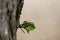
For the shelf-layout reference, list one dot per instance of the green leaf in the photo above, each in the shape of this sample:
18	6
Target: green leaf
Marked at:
28	26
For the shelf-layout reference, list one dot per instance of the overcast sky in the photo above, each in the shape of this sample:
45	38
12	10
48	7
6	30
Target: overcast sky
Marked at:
46	16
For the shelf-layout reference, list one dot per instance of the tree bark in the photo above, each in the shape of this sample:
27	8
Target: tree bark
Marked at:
10	11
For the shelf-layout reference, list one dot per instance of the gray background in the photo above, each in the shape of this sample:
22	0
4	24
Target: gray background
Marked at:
46	16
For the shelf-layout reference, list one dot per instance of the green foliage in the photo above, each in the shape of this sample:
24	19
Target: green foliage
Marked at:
28	26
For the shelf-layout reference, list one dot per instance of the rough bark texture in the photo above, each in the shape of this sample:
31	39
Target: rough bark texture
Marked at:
10	11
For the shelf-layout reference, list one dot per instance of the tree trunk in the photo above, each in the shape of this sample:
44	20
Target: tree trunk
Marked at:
10	11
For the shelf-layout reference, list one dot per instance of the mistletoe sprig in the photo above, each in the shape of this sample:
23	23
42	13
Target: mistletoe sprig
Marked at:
28	26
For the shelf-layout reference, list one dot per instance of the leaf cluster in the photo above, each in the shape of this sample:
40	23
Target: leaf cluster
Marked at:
28	26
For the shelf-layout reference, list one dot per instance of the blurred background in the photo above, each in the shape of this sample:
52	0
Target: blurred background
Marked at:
45	14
